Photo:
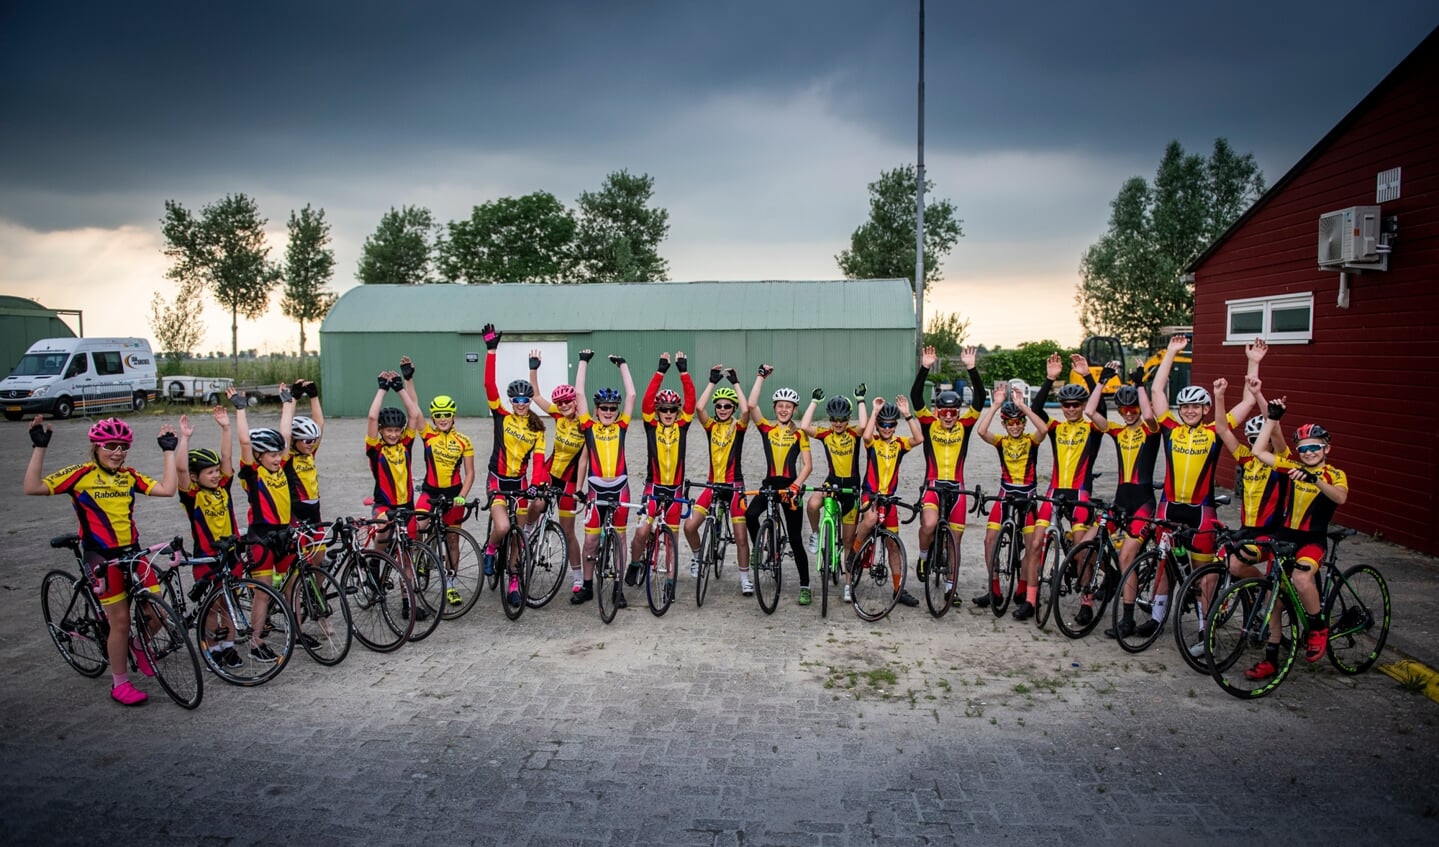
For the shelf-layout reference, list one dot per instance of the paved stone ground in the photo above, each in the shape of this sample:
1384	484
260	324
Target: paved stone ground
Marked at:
715	726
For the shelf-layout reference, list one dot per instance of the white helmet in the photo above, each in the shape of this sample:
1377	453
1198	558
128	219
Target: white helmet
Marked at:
1253	426
304	429
789	395
1192	395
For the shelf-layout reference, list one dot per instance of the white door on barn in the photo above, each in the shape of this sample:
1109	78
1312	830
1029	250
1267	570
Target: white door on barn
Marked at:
512	361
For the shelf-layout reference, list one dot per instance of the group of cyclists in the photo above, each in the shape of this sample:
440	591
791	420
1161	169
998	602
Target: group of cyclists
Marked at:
582	462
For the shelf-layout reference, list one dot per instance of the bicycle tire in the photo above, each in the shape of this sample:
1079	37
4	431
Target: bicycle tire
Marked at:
1357	605
722	535
75	622
939	583
1146	569
661	560
1004	564
427	575
1081	576
872	575
768	569
231	607
465	573
1049	560
825	565
607	583
378	595
511	559
1237	630
168	648
548	565
707	552
322	614
1192	602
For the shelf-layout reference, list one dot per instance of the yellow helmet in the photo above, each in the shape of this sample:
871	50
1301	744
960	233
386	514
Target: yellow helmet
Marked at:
444	404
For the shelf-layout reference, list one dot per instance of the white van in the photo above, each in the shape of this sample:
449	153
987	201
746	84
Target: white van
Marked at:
63	376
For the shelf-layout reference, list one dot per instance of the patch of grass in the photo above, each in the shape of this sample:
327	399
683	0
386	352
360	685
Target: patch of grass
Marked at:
1021	688
881	676
1413	681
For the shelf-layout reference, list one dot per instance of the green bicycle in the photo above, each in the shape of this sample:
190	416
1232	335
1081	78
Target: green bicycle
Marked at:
829	564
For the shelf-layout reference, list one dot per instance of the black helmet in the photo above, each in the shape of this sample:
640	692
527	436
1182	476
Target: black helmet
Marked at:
948	399
202	458
520	388
888	413
838	406
1126	395
1010	411
1073	391
390	416
266	441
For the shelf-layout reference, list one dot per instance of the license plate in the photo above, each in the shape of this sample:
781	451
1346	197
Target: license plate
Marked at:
12	408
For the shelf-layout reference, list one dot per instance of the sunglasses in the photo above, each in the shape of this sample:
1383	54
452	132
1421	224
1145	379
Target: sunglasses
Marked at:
116	447
442	416
1128	410
723	407
948	413
1309	448
887	425
520	401
608	408
307	440
839	421
667	410
1071	405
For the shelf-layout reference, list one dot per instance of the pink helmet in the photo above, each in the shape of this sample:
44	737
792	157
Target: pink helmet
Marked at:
563	393
111	430
667	397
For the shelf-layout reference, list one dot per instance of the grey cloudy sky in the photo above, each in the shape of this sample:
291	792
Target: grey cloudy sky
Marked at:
761	122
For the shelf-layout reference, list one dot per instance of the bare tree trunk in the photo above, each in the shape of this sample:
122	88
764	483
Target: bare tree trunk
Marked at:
302	341
235	340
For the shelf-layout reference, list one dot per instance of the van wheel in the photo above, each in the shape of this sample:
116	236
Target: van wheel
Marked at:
64	408
14	416
212	400
138	404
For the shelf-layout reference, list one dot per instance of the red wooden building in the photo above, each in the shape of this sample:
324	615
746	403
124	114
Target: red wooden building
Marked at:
1349	301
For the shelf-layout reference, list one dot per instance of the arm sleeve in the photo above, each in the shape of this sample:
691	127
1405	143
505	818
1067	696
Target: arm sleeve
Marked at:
492	388
1041	397
976	385
689	391
647	406
916	391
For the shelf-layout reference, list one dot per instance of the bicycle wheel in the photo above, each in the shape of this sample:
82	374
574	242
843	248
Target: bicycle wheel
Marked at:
259	649
511	560
464	572
939	581
75	622
1004	564
877	575
322	617
768	568
380	600
426	572
548	565
1192	602
1147	570
1357	610
607	583
707	553
723	535
1050	557
1078	593
168	648
1238	628
663	558
825	564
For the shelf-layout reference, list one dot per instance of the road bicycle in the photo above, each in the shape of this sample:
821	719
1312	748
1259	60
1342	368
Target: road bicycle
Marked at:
79	629
716	535
829	563
940	565
1197	594
1354	602
771	546
510	556
1086	579
609	592
1054	545
317	602
1155	574
1007	556
878	569
380	597
461	554
421	565
660	558
547	551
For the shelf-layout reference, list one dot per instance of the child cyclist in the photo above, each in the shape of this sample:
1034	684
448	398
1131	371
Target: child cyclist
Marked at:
564	468
606	472
883	451
389	441
449	472
787	466
667	419
725	432
841	442
519	433
103	490
305	433
205	479
1018	460
263	452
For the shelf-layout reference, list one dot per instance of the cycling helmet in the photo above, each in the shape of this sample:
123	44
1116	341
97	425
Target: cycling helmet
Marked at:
726	393
520	388
788	395
1127	396
268	440
607	395
667	397
948	400
390	416
1311	430
202	458
1253	426
563	393
304	428
888	413
1072	392
111	430
443	404
1192	395
838	407
1010	411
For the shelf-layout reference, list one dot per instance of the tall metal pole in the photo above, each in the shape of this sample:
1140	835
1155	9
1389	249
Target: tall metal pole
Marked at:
919	201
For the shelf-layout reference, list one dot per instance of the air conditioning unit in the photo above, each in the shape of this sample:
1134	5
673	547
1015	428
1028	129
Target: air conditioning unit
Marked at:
1349	237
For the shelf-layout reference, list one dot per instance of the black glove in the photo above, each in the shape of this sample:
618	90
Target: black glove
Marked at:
716	374
238	399
407	371
1308	476
534	363
286	396
662	367
1105	375
859	391
1136	376
40	435
732	376
817	394
397	383
492	336
586	355
616	360
682	364
1276	411
311	389
765	370
168	441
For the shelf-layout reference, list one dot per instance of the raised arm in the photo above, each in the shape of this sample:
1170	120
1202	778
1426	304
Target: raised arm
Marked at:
867	432
582	403
859	392
407	371
629	383
415	417
540	397
927	359
169	480
317	414
742	405
1221	420
40	435
687	383
1053	368
986	418
806	422
970	357
716	374
760	374
242	424
372	429
1159	388
1262	444
916	433
1091	409
287	413
227	449
182	446
647	406
1041	425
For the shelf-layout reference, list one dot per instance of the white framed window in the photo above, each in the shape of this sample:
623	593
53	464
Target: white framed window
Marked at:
1284	319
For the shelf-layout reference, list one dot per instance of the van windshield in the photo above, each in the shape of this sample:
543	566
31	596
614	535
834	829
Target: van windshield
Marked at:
40	364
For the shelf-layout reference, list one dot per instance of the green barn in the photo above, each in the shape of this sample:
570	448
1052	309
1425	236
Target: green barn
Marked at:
829	334
22	323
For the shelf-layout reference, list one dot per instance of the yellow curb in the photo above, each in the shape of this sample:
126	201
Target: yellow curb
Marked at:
1410	670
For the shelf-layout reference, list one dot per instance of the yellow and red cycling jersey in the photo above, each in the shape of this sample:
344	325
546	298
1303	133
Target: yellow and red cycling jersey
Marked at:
1075	445
1137	447
665	444
841	450
726	439
782	446
268	493
945	447
211	514
515	440
606	446
104	502
304	476
1308	510
445	454
1191	454
1263	490
390	466
881	467
1018	460
569	441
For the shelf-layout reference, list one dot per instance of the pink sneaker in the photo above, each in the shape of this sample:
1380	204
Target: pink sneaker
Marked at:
127	694
141	660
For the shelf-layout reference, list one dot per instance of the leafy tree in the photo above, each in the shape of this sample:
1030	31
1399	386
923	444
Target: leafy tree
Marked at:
1025	362
309	266
619	234
512	239
946	333
399	250
883	246
1131	279
224	250
178	325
